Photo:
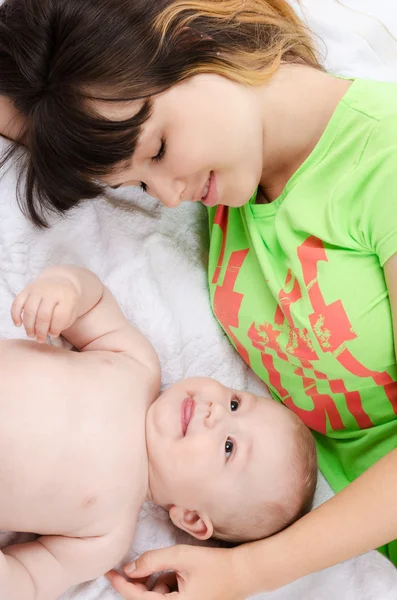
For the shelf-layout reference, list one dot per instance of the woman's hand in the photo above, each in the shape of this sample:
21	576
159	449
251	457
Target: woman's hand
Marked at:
164	585
210	573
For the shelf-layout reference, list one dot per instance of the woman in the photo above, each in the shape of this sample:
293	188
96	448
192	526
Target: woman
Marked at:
207	102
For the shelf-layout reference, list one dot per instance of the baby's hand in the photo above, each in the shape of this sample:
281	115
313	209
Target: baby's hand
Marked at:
46	306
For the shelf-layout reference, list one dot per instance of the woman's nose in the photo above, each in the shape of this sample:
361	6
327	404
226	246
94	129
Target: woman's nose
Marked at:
169	192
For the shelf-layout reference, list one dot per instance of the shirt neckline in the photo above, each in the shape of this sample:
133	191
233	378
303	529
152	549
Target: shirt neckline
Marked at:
315	157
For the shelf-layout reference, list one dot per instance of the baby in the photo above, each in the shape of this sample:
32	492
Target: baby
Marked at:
76	465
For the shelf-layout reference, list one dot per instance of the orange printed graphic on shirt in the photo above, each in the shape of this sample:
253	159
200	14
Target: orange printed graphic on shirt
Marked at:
323	404
227	302
329	324
331	327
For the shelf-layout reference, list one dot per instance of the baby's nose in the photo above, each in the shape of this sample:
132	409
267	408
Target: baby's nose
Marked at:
215	414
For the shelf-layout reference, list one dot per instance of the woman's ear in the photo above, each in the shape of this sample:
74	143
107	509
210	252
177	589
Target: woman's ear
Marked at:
198	525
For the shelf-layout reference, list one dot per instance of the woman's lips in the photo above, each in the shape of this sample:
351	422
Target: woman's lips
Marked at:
187	410
211	197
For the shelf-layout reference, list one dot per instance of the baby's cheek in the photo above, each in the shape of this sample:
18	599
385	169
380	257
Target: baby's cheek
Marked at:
199	470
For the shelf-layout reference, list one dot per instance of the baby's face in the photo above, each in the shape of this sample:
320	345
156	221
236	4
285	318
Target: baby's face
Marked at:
208	443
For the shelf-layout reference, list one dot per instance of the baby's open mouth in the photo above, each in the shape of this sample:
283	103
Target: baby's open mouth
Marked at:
187	410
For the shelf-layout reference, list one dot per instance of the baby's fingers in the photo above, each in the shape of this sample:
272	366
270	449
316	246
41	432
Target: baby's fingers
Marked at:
30	311
44	318
17	308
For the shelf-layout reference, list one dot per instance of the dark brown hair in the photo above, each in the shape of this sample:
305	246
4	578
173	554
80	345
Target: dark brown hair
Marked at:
57	56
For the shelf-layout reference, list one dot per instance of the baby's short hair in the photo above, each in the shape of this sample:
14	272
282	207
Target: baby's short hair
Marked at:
258	521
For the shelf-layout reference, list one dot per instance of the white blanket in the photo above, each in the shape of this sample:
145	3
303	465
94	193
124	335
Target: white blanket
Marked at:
154	262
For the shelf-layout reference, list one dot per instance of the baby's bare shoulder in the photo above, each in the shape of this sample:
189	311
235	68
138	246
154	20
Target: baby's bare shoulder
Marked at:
125	374
78	374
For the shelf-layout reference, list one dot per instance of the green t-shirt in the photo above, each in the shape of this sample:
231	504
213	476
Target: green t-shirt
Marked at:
298	285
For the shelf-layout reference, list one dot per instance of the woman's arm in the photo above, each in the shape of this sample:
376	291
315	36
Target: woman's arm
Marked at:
360	518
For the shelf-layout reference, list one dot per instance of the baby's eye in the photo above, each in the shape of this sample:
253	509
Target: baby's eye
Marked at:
234	403
229	445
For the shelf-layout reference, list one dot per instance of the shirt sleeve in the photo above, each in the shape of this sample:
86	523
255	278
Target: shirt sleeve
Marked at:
376	185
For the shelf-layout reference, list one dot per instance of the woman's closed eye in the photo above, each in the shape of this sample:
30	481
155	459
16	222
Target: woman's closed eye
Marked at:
161	153
158	158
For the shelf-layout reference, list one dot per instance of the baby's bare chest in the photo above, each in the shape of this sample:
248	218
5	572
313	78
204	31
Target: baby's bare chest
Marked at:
72	451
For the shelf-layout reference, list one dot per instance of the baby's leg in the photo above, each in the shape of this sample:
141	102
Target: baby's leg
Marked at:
15	581
49	566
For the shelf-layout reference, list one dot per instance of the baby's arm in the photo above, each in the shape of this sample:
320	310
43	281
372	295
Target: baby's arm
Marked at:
73	301
46	568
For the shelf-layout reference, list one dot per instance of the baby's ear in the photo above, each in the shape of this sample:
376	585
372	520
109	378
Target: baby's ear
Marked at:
198	525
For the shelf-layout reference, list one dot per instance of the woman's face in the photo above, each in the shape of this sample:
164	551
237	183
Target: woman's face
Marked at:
202	142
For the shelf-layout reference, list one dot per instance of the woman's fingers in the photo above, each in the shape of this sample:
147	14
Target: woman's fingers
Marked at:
132	591
166	583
